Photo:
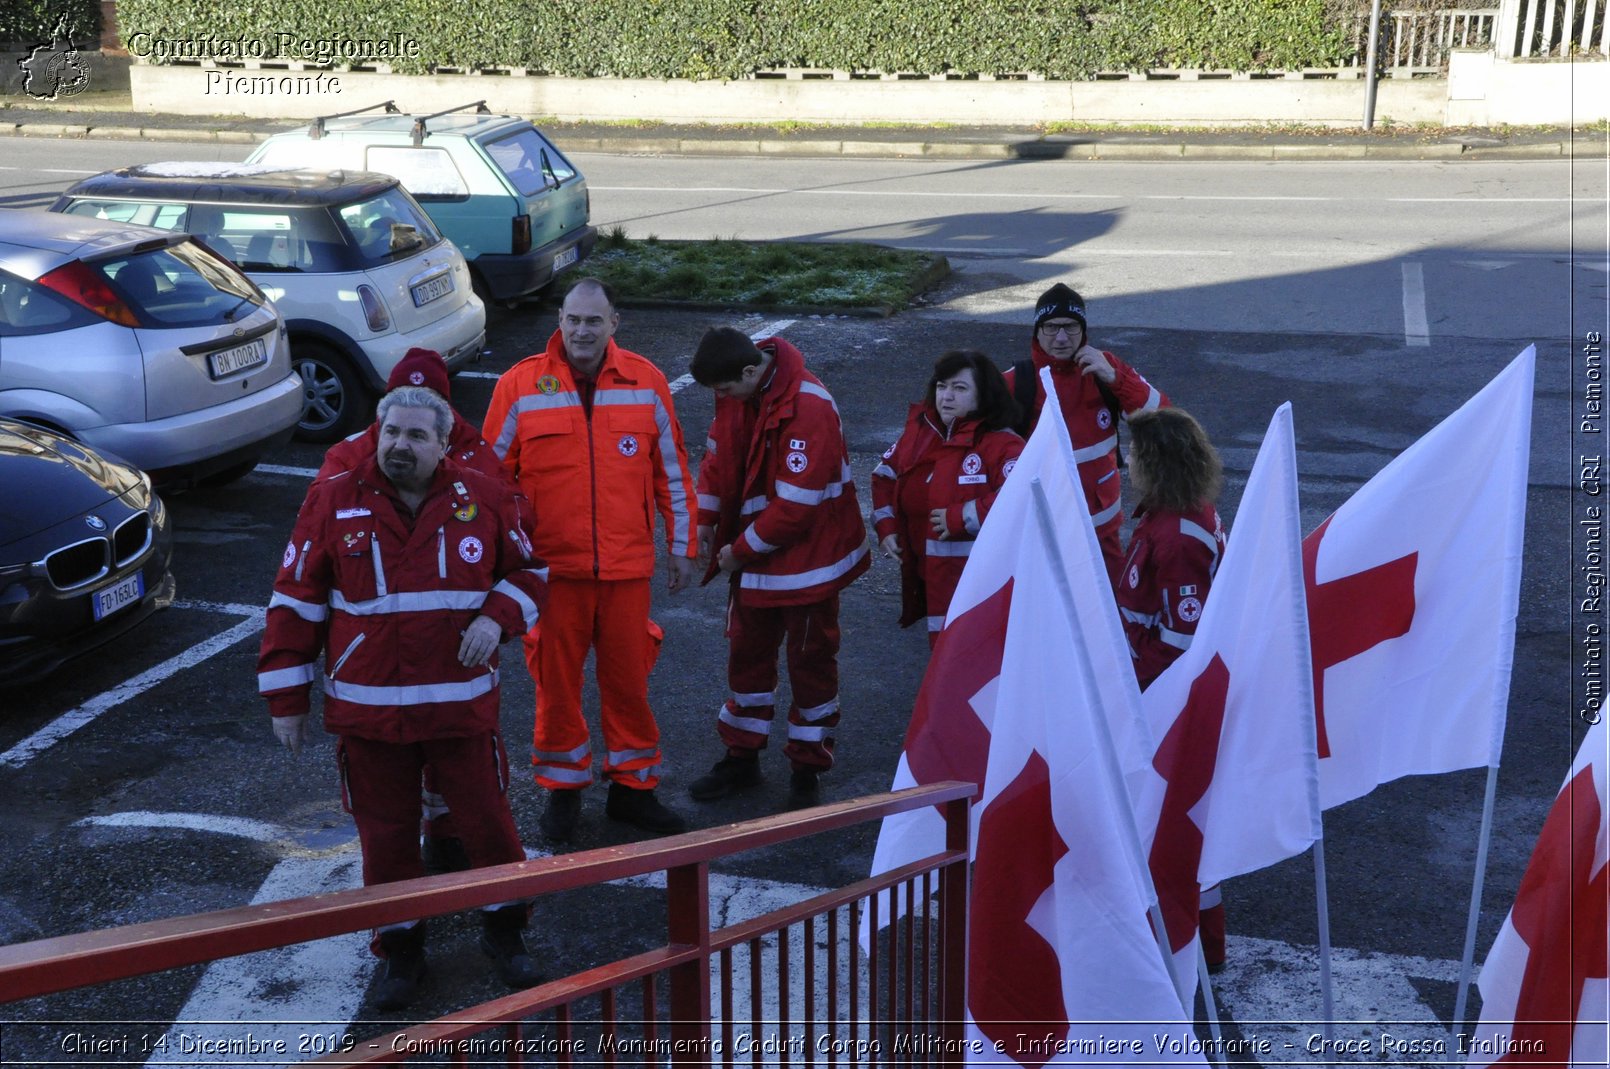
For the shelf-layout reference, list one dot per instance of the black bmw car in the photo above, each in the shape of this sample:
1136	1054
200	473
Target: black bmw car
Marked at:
84	550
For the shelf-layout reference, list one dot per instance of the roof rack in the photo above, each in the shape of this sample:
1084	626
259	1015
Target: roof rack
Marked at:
316	127
419	123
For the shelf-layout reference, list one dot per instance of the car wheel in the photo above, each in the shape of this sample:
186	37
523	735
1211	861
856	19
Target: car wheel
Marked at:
333	399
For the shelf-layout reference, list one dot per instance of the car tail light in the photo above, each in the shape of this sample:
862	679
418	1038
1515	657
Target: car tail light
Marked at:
85	286
374	309
522	234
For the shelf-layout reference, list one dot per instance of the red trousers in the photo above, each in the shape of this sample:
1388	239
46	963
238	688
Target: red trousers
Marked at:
381	790
609	617
810	636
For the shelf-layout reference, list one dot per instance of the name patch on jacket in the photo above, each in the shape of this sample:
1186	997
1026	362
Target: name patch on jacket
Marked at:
348	514
972	480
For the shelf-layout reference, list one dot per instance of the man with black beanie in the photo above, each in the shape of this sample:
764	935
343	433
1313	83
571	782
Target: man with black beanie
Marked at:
1095	389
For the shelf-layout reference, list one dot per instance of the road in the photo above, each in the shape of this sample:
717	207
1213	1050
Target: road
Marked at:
1374	297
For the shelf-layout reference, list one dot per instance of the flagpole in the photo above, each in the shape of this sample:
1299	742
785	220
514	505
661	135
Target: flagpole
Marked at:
1327	996
1467	962
1205	980
1109	751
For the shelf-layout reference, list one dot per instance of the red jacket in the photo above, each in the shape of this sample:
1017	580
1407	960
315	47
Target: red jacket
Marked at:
1167	574
388	602
1090	425
776	485
465	445
960	472
597	479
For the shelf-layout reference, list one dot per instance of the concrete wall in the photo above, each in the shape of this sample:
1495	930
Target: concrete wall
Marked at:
1484	91
1533	90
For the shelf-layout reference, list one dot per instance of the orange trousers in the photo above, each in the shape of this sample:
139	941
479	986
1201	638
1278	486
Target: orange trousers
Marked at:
609	617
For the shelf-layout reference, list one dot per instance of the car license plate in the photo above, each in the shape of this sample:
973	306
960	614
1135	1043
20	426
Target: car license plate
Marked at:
228	361
123	592
565	259
432	288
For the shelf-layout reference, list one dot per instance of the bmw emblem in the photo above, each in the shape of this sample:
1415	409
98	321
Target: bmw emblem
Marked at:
95	523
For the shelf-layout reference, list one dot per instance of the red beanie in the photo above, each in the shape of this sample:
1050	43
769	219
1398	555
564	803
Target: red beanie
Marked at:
421	367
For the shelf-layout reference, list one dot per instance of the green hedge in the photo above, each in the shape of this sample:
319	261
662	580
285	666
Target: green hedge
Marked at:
27	23
711	39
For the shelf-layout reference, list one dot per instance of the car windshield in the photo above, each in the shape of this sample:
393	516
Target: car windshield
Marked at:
388	226
521	156
180	285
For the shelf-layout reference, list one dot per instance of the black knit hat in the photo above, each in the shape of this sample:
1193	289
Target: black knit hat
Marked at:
1060	300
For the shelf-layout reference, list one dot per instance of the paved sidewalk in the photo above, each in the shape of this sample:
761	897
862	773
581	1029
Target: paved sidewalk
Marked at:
112	115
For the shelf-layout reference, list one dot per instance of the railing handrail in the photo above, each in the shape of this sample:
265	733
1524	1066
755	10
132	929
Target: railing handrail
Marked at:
60	963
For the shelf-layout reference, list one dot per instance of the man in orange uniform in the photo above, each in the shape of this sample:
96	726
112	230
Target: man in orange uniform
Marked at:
589	433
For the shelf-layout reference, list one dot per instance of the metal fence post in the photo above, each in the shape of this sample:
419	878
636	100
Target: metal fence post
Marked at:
687	893
953	880
1371	47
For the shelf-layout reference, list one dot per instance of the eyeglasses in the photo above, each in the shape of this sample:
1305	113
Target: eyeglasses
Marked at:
1051	330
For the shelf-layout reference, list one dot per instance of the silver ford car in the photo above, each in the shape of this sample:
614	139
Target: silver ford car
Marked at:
141	343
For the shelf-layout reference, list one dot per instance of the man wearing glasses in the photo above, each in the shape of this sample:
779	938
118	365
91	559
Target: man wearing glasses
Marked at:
1095	390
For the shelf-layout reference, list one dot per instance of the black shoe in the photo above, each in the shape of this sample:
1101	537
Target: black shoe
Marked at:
643	810
445	854
501	941
802	788
730	774
559	819
1215	967
400	974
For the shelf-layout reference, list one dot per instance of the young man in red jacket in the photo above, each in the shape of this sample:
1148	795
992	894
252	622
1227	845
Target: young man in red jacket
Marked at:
1095	389
778	515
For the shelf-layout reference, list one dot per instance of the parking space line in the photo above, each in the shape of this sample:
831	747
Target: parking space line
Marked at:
85	714
1416	330
280	469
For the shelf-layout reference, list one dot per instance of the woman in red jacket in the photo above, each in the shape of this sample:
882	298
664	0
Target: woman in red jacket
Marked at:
935	486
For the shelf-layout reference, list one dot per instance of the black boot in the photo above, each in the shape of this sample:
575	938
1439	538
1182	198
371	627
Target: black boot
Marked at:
559	819
398	978
730	774
802	788
444	854
642	809
501	941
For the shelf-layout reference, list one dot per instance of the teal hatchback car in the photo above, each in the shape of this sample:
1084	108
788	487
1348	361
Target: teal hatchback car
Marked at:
493	184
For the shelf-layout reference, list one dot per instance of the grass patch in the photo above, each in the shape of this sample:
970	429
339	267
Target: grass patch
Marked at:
764	275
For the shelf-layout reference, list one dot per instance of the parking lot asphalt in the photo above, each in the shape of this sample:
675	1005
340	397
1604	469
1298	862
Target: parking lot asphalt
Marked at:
113	115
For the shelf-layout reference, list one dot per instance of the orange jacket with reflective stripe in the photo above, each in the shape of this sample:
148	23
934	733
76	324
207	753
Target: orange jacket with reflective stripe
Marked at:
595	480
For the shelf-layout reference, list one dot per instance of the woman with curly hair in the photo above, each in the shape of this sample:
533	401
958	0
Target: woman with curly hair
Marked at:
1177	542
935	486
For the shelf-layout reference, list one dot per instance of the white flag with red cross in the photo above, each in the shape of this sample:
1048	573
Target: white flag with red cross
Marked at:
1234	713
1544	987
1063	965
948	737
1413	587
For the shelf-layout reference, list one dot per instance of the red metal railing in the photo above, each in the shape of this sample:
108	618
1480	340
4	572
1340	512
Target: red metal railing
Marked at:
902	1004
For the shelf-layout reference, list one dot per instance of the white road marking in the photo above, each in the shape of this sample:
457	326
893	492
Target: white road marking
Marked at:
478	375
85	714
297	995
280	469
1416	331
246	829
976	195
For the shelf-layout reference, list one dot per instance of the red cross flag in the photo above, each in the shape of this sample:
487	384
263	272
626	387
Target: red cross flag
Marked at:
949	734
1544	990
1413	587
1234	713
1063	966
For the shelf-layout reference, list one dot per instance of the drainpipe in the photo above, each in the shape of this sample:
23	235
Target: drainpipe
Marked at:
1369	64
